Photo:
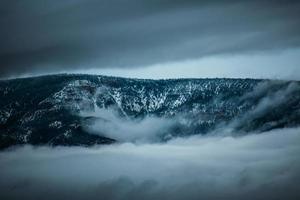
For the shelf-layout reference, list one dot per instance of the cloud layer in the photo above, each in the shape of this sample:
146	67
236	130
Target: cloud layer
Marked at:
264	166
49	36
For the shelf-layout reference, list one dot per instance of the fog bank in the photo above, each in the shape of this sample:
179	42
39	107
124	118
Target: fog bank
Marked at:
257	166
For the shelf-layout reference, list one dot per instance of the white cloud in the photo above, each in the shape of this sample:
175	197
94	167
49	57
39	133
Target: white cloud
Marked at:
271	65
264	166
108	123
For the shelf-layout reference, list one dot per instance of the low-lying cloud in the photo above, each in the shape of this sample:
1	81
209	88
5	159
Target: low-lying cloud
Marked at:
108	123
257	166
267	98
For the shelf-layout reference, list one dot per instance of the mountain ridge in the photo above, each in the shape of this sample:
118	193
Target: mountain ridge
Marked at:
48	109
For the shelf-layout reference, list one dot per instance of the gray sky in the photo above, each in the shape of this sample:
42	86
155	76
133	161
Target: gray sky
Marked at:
151	38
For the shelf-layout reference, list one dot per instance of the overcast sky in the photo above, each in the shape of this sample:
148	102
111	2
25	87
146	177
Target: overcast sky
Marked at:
151	38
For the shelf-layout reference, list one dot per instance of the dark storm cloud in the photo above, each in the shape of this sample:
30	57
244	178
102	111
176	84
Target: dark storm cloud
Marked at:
48	36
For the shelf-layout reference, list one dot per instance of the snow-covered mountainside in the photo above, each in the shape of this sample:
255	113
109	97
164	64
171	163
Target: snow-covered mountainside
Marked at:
49	109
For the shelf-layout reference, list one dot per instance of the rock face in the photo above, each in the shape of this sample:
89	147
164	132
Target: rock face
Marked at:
46	109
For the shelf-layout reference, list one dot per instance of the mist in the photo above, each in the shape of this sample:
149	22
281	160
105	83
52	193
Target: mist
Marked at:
257	166
110	124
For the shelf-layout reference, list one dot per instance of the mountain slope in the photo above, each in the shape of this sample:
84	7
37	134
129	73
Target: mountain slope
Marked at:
60	109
